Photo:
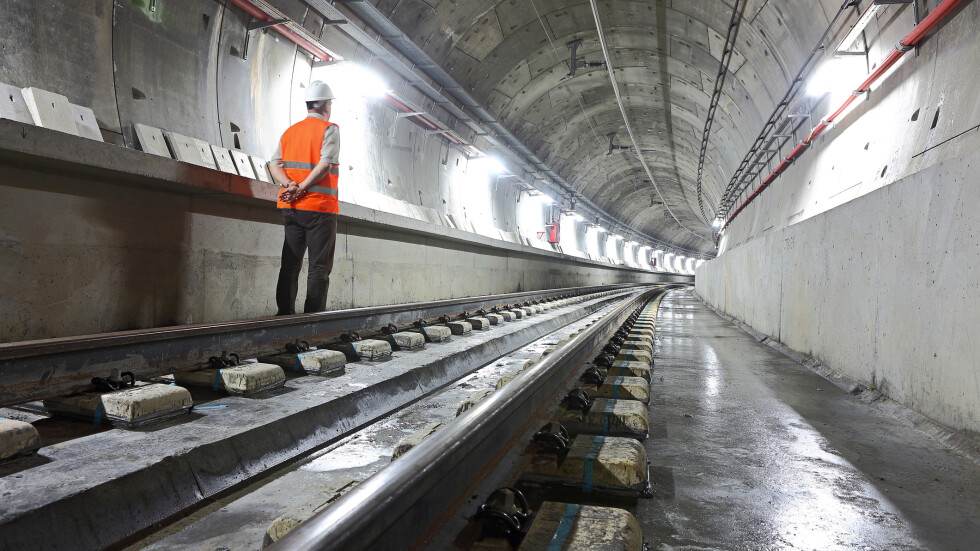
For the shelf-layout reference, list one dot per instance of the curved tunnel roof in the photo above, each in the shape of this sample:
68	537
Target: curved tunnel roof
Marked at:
512	56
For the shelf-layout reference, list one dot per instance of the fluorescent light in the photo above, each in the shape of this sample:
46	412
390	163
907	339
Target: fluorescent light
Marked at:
489	164
350	80
866	16
716	224
836	76
545	199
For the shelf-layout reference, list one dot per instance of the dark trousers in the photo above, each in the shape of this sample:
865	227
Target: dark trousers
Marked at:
318	231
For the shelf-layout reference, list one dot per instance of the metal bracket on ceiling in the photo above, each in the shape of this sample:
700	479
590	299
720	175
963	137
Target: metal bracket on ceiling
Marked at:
409	114
574	63
612	146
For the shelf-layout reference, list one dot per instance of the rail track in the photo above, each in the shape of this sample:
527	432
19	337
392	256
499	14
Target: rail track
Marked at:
238	443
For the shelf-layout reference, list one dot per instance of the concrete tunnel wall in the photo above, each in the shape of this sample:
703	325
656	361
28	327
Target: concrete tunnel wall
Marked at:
864	254
79	256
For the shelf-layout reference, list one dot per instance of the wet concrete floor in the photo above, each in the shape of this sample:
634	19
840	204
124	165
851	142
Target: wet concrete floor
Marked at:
751	450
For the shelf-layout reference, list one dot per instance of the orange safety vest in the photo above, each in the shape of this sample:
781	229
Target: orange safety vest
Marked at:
300	146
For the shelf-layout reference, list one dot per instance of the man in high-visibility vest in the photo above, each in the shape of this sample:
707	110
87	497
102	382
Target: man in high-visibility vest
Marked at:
306	165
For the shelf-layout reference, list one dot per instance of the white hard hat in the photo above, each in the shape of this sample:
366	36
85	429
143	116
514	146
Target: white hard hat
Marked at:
317	91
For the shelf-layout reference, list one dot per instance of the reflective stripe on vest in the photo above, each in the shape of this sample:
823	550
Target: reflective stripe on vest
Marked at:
300	146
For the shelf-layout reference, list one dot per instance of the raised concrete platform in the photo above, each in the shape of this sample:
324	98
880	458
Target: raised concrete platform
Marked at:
87	485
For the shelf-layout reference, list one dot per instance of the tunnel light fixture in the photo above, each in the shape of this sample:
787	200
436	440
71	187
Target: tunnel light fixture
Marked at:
822	80
716	223
490	164
348	79
835	77
545	199
866	17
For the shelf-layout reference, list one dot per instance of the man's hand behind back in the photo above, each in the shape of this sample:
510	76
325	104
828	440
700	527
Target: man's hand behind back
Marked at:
291	193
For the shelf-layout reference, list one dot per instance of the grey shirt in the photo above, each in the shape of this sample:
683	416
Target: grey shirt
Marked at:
329	150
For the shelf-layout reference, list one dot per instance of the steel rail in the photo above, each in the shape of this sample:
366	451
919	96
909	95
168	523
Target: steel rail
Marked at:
401	502
33	370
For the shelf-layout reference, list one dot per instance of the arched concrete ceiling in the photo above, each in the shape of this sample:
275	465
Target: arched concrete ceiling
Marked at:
511	55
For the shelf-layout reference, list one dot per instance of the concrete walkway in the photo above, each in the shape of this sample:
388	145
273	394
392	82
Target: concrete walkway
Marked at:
753	451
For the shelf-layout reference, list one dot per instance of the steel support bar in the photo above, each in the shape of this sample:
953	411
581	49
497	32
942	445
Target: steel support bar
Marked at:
33	370
399	504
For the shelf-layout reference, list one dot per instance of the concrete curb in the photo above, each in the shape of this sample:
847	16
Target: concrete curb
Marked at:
948	438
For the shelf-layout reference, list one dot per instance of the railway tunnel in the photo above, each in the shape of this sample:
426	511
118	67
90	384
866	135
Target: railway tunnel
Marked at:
608	274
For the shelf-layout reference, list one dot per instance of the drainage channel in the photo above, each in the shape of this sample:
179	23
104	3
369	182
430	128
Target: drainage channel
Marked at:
552	459
158	473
